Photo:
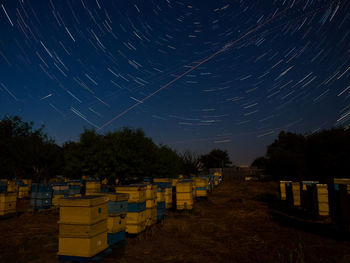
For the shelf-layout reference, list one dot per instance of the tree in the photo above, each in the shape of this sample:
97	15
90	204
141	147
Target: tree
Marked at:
26	152
215	159
190	162
169	163
260	162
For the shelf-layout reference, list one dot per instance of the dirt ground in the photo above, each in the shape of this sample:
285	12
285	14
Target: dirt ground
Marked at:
235	224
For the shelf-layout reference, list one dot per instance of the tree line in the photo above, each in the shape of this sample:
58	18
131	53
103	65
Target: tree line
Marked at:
126	154
320	156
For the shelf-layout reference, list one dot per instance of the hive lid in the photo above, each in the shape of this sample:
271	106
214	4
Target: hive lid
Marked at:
341	180
115	197
132	187
162	180
152	186
89	200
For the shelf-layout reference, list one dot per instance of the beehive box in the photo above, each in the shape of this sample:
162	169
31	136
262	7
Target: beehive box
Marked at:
82	230
12	187
134	218
92	187
114	238
151	191
151	203
322	197
23	191
55	199
296	193
137	193
82	247
136	229
8	203
117	203
184	196
184	187
161	195
283	193
84	210
168	197
116	223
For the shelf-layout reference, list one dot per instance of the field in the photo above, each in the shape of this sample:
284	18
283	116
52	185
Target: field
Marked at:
235	224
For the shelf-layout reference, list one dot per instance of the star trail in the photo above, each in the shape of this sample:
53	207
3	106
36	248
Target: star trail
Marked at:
192	74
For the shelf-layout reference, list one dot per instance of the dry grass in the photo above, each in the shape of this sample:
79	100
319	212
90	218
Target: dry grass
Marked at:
233	225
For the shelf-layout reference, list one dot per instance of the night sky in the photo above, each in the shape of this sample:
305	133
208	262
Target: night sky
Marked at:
192	74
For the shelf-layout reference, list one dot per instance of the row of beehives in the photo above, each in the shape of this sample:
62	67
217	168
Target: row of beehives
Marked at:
20	187
320	199
90	224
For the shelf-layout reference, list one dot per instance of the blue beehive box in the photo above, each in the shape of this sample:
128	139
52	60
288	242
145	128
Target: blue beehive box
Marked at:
136	207
114	238
120	207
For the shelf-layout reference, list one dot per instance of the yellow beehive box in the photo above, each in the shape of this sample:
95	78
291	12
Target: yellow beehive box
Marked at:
151	191
92	187
162	180
12	187
184	204
28	182
168	200
8	197
148	217
82	230
283	189
296	193
135	229
174	182
82	247
160	196
168	191
341	180
151	203
117	197
8	203
137	193
55	199
116	224
134	218
184	187
184	196
322	198
202	193
83	210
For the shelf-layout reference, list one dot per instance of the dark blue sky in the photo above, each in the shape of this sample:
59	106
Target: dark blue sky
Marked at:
254	68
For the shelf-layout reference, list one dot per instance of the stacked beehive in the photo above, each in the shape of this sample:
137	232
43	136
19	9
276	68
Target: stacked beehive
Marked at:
322	199
166	183
116	222
283	193
41	196
92	187
7	203
339	197
217	178
12	187
28	182
82	227
60	190
151	204
296	193
23	191
309	196
136	215
201	187
184	197
3	186
160	203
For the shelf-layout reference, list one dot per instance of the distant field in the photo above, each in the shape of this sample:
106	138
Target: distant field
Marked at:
233	225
